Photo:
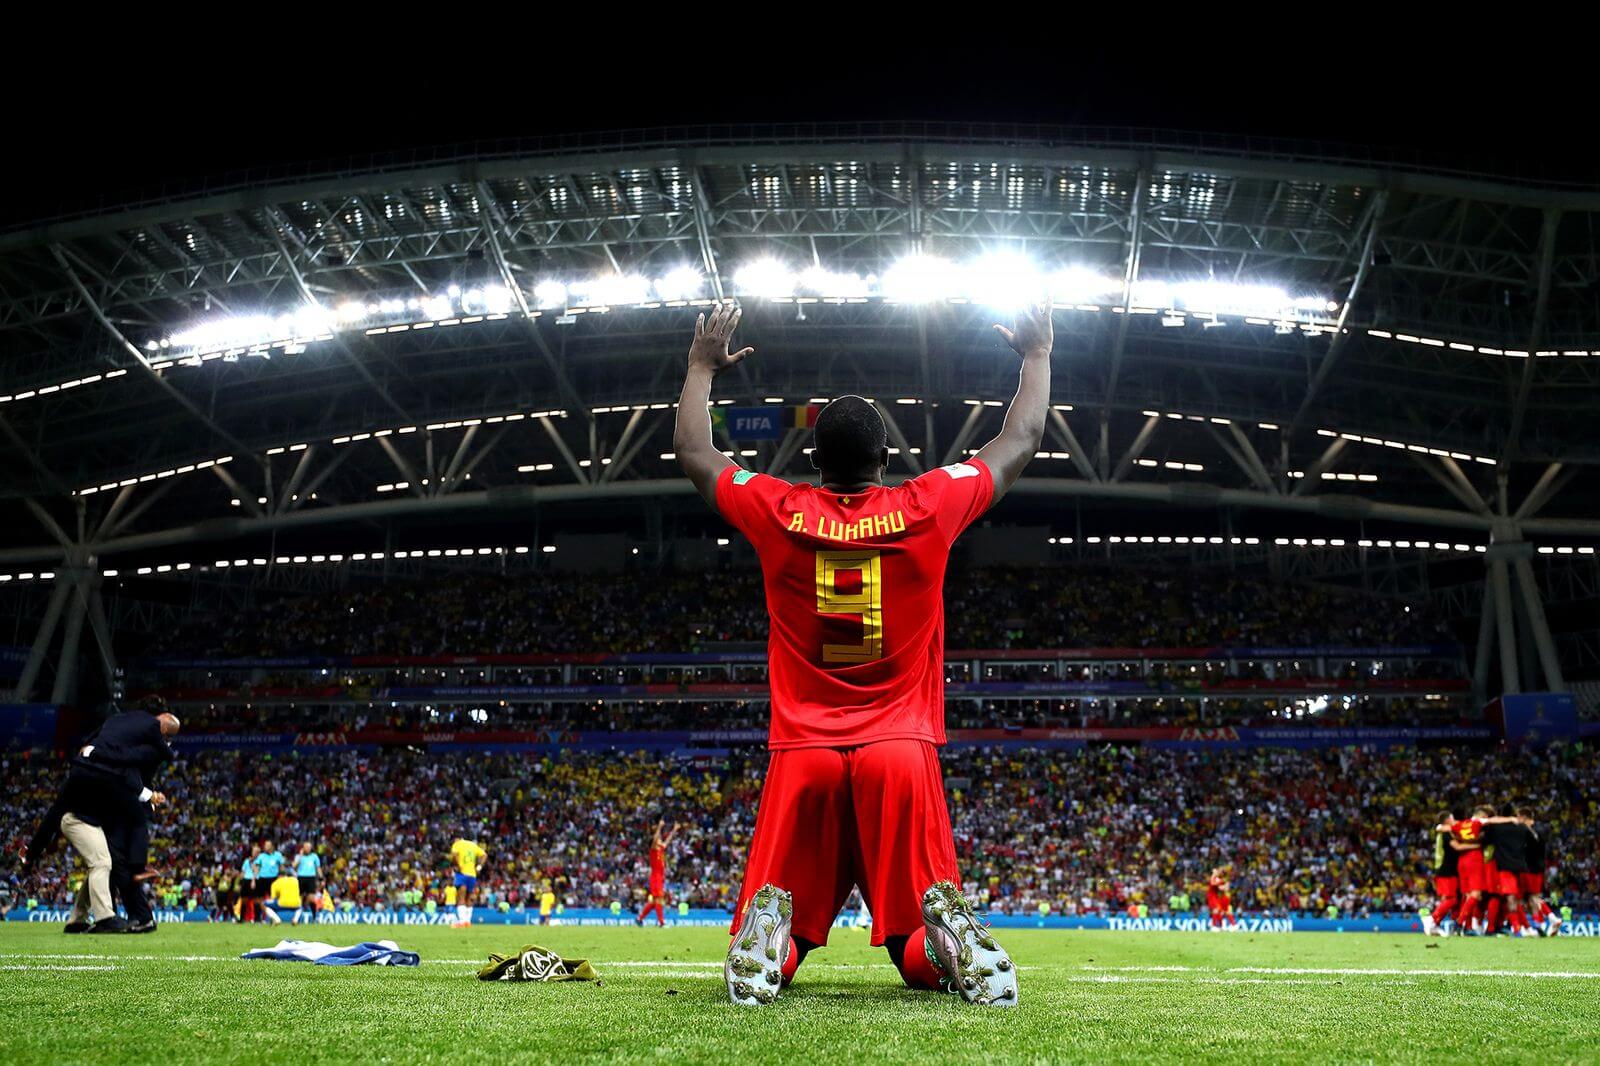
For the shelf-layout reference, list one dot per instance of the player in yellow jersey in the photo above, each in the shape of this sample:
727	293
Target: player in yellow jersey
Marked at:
547	903
467	855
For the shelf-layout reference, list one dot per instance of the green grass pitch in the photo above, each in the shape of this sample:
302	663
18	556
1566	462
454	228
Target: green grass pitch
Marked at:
181	995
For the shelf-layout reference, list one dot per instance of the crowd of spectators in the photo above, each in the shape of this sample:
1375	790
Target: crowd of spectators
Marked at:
1091	830
985	607
629	715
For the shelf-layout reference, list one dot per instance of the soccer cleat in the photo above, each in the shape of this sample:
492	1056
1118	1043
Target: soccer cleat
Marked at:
754	970
959	946
1429	926
1555	925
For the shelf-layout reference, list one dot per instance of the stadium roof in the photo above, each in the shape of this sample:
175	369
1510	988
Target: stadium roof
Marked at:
1255	324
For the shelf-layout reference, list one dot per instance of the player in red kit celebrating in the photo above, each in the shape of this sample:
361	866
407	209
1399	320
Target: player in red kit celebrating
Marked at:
1467	835
658	875
1446	879
854	574
1219	899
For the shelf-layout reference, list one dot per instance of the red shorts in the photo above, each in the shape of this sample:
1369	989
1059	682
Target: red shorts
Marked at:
1470	871
1447	887
872	817
1506	882
1531	884
1218	903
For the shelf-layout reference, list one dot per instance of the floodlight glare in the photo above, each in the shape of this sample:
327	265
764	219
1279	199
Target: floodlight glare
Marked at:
613	289
1004	281
765	277
547	294
920	279
826	283
680	283
1080	285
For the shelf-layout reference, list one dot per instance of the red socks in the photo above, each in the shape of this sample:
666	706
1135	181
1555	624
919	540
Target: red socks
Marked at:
915	969
791	962
1443	910
1492	923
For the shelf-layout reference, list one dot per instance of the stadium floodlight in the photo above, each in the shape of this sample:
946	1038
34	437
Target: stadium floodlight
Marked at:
1003	281
826	283
547	294
1080	285
765	278
918	279
680	283
612	289
1152	293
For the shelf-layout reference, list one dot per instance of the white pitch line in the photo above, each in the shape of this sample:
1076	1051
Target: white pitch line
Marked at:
1354	971
25	966
1122	979
1378	972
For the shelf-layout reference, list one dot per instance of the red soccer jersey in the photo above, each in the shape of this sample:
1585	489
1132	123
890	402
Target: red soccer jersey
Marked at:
1467	831
855	598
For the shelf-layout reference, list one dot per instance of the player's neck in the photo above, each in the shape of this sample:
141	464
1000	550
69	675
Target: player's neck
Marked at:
851	484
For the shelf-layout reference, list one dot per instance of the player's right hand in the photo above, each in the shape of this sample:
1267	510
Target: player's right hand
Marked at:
1035	330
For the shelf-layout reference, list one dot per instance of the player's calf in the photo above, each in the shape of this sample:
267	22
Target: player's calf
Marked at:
972	963
754	968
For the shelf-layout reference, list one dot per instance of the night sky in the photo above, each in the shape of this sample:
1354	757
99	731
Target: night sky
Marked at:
122	123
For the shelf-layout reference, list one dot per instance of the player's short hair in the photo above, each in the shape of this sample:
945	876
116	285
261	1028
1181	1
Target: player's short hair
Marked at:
1525	812
1483	810
850	436
1447	816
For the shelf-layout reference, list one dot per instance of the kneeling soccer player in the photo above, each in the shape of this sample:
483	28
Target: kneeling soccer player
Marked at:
854	574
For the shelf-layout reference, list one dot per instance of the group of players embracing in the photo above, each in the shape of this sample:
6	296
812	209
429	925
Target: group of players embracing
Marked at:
1488	871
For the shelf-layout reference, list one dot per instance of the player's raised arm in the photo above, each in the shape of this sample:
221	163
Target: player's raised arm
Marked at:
691	436
1019	438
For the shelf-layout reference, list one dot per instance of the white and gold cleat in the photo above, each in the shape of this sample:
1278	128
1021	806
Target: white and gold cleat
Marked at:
754	969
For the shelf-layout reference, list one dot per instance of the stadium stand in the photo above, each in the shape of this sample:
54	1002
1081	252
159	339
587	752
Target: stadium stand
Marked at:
1086	831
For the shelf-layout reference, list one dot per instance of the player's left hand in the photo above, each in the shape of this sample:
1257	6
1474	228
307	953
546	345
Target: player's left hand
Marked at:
710	347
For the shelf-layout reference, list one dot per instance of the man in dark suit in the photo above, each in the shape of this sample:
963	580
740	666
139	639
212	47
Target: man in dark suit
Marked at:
80	814
116	765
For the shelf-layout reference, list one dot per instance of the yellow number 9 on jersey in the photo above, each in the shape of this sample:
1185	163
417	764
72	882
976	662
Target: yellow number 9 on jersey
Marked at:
850	582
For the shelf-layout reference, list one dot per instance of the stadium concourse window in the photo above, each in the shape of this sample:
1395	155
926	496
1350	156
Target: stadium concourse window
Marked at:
377	816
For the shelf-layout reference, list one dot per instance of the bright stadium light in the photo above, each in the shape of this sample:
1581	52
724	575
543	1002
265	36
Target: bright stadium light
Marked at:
613	289
1080	285
1004	281
823	282
766	278
918	279
680	283
550	294
1151	293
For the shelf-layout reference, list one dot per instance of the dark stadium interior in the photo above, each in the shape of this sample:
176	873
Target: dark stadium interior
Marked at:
357	448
